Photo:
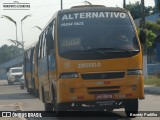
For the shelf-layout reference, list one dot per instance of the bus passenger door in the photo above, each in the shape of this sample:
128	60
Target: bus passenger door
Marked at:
51	57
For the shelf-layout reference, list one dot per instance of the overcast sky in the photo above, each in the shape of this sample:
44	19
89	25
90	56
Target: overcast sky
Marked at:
41	11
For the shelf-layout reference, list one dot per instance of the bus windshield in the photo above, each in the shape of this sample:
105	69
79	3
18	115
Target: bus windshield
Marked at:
79	33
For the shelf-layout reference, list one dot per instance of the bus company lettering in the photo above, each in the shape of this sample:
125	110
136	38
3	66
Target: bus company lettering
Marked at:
72	23
93	15
89	65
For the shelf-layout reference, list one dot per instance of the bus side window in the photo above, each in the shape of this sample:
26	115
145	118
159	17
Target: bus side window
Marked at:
44	45
36	53
50	46
50	37
40	47
53	33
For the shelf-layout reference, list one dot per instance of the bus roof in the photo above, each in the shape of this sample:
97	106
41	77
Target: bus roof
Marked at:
92	7
31	46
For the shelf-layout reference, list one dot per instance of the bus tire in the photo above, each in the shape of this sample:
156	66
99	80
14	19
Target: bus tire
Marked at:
47	106
33	87
30	91
131	107
26	84
59	109
36	93
22	87
9	83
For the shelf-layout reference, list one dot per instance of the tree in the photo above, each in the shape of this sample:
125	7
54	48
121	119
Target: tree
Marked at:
158	22
151	30
9	52
153	26
150	38
135	10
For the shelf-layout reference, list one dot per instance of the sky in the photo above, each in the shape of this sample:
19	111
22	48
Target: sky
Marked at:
41	11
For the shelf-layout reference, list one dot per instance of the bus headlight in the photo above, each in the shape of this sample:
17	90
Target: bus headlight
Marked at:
134	72
68	75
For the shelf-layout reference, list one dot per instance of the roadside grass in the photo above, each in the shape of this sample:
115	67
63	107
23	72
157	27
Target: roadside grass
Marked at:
152	80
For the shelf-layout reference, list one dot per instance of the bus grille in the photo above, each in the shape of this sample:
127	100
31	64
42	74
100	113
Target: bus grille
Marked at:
112	75
104	90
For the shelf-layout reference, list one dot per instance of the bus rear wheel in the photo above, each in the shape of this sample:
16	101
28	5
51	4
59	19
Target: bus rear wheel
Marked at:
131	107
22	87
9	82
60	109
36	93
47	106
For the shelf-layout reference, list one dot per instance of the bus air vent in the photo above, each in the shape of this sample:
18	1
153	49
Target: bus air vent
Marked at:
103	90
111	75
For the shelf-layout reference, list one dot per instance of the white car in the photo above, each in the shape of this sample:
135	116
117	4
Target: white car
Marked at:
14	75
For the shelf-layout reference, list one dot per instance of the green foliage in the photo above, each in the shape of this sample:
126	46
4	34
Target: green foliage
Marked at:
151	31
158	21
135	10
150	38
153	26
9	52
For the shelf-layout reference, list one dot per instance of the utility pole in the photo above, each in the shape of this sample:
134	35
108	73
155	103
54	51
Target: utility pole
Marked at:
145	70
61	4
124	3
142	15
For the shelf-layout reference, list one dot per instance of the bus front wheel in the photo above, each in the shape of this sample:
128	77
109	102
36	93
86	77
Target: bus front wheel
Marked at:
131	107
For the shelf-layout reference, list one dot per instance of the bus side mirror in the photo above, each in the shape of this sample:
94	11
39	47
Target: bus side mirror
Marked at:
142	37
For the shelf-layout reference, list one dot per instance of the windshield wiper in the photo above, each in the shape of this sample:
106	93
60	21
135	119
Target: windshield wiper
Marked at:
72	51
95	50
83	51
111	48
99	51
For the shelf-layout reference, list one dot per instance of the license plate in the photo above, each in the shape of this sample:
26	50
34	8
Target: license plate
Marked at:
103	96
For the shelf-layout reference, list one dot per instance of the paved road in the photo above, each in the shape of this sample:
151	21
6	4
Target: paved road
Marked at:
12	98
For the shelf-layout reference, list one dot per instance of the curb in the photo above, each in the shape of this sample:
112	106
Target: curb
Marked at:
151	90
